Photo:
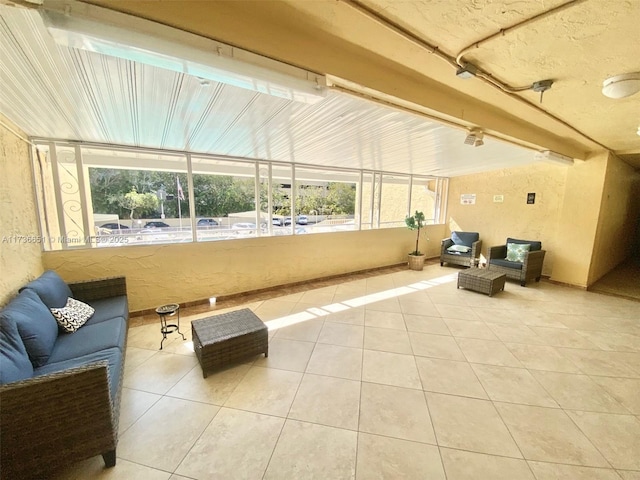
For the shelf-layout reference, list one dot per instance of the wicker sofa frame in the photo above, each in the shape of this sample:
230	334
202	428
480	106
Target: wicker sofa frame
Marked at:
531	267
464	260
53	420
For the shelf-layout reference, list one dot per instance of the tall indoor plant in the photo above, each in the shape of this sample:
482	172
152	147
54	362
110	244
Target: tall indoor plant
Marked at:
416	222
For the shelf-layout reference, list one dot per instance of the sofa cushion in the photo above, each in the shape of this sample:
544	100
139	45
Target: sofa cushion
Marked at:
535	246
465	238
73	315
112	355
90	339
108	308
36	325
51	289
14	361
506	263
517	252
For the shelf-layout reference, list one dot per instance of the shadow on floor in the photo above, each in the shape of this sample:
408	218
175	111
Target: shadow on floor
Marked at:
622	281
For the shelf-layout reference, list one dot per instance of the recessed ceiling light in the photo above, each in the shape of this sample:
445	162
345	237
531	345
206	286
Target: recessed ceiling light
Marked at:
621	86
638	132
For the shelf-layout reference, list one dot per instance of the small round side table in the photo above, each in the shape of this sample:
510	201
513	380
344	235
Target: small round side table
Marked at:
165	311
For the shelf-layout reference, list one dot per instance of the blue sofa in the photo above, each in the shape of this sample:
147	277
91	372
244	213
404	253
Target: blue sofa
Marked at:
60	392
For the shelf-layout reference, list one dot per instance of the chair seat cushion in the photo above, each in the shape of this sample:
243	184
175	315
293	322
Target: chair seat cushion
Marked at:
505	263
89	339
108	308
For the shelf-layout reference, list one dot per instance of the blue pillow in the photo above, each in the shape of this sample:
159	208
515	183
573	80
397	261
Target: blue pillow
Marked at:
36	325
51	289
14	361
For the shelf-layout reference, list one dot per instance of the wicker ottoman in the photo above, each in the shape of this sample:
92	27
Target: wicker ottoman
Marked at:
481	280
228	337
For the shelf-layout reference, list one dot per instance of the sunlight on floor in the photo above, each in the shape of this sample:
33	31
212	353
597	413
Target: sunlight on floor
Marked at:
316	312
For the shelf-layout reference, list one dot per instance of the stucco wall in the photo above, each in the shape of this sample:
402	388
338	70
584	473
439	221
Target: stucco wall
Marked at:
619	213
191	272
513	217
20	260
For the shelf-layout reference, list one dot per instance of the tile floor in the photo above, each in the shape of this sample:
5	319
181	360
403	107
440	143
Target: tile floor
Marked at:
398	375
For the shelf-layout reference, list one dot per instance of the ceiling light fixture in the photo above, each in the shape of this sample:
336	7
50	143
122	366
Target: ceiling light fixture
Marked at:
621	86
468	70
475	138
554	157
111	33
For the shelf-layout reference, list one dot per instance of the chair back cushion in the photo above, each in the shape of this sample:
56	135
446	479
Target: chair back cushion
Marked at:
51	289
465	238
534	245
14	361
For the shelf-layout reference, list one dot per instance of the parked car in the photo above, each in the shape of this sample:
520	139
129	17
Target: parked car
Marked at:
244	226
114	226
277	222
208	222
287	221
302	220
156	224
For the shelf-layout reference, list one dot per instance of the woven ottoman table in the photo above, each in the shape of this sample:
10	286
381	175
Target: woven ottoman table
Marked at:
481	280
228	337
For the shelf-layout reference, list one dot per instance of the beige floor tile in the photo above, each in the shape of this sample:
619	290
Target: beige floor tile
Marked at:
342	334
236	444
319	297
215	389
148	337
625	390
498	315
352	316
387	340
487	352
383	457
470	424
336	361
390	369
598	362
136	356
514	385
548	435
515	333
562	337
390	305
265	390
419	308
394	320
395	412
310	451
540	319
444	299
579	322
457	311
461	465
165	433
436	346
555	471
628	475
614	341
616	436
133	405
448	376
304	331
328	401
578	392
426	324
93	468
286	354
469	329
160	372
272	309
542	357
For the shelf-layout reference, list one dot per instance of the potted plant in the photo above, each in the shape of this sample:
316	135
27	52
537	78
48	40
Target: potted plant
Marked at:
416	222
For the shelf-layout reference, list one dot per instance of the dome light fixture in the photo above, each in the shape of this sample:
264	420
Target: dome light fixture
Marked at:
621	86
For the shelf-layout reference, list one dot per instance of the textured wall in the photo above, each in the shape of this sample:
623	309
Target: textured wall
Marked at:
513	217
20	261
196	271
619	214
579	220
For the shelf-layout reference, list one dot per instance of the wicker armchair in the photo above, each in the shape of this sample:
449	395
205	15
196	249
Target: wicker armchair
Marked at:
529	269
468	259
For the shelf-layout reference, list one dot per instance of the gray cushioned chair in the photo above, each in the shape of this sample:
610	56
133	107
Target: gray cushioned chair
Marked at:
529	269
470	240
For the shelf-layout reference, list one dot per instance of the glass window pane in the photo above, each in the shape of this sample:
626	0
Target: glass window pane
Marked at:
423	197
394	200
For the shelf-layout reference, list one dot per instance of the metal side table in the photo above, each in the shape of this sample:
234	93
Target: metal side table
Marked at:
165	311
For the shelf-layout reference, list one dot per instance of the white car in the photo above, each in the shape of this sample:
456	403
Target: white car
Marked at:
302	220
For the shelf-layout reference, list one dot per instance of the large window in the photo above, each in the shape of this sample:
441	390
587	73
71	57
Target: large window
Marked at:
95	196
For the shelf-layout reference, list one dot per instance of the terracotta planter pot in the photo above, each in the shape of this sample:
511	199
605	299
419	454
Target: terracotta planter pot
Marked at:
416	262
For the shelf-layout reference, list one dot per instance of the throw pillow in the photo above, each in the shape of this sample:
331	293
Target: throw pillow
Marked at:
458	249
73	315
517	251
